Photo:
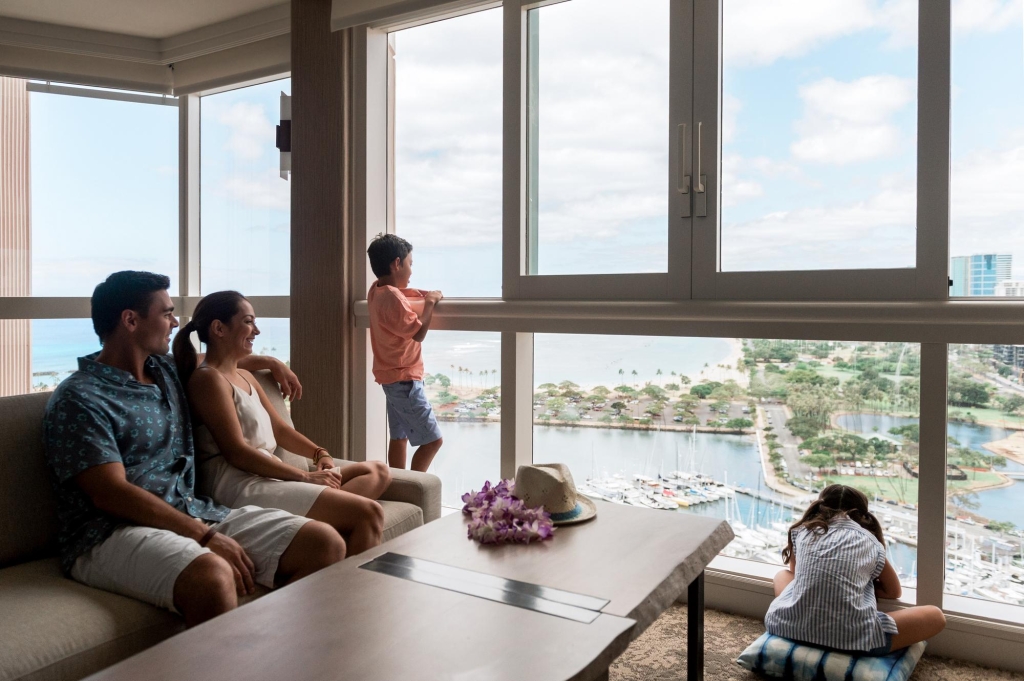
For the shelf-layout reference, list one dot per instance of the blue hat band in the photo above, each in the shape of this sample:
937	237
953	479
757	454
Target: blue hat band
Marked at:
568	515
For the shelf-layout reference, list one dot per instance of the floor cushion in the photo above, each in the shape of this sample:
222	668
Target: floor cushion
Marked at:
781	658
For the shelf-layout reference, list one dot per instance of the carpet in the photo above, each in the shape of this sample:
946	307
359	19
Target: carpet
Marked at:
660	653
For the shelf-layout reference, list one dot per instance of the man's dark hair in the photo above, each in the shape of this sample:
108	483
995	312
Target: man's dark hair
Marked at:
122	291
384	249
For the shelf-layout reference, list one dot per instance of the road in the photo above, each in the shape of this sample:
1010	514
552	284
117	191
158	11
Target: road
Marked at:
776	417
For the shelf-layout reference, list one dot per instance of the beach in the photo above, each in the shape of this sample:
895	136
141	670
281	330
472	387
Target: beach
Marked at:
1012	447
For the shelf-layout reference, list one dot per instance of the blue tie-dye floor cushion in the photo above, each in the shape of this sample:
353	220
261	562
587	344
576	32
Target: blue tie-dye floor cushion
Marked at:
781	658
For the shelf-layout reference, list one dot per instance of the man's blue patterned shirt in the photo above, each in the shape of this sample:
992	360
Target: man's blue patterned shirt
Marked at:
101	415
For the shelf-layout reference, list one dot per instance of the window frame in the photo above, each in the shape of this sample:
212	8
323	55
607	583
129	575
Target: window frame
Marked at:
928	279
517	282
910	305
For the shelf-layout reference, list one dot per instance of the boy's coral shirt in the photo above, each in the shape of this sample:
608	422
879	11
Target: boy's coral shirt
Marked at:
393	323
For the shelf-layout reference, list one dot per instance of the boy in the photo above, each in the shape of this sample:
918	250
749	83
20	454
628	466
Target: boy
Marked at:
399	319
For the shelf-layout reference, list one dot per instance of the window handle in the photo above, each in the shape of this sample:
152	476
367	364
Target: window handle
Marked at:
700	178
683	179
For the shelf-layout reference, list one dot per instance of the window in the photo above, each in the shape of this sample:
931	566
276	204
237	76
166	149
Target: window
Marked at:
598	137
95	187
462	379
703	425
985	467
245	212
819	123
274	339
987	221
447	151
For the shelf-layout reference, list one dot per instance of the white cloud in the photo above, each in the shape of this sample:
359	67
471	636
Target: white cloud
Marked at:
266	190
986	15
737	184
252	132
758	33
849	122
987	204
873	233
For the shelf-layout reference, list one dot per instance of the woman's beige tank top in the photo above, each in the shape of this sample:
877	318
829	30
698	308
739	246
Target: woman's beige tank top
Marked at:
254	419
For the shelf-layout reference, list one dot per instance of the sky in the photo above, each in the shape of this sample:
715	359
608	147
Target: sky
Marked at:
818	152
819	138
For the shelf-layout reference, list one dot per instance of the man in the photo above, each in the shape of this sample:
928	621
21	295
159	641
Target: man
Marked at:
119	443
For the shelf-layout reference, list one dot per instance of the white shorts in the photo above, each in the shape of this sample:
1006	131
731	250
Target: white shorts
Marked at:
144	562
235	488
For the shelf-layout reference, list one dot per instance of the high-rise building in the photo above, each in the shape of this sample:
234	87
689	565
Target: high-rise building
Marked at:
977	275
15	234
1010	289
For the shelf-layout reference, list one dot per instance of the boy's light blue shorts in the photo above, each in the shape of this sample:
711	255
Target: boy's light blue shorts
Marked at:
409	414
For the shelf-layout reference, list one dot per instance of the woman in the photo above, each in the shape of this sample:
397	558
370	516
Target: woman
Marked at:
238	432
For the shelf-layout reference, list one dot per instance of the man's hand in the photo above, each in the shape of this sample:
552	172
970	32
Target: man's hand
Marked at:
434	297
329	478
286	378
230	550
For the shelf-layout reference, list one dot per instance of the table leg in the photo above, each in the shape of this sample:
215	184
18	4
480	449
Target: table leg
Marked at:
695	629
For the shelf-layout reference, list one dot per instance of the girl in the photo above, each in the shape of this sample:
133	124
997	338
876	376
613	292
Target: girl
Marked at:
830	599
239	430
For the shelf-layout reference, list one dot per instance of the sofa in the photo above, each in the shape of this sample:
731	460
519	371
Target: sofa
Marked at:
52	627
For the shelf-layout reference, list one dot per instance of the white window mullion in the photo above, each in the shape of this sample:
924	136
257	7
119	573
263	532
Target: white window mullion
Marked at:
188	195
516	402
934	111
931	491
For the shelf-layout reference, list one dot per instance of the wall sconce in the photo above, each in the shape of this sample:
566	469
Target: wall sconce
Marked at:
284	136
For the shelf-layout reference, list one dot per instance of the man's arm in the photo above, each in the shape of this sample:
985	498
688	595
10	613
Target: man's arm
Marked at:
430	300
110	492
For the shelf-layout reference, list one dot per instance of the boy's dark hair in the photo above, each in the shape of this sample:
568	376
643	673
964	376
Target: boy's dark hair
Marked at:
833	501
384	249
122	291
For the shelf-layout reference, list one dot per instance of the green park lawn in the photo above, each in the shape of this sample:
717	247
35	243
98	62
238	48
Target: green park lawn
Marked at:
995	417
904	490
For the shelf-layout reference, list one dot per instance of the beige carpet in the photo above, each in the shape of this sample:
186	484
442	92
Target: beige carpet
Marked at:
660	653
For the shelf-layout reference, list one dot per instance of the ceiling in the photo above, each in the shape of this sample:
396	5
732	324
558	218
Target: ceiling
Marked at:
142	18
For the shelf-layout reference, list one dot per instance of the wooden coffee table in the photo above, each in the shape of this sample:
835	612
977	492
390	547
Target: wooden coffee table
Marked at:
350	623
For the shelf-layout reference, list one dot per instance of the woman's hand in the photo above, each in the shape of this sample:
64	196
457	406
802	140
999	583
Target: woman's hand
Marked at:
328	478
325	463
286	378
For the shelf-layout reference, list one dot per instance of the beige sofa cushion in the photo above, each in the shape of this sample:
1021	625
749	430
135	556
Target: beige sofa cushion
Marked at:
55	628
28	507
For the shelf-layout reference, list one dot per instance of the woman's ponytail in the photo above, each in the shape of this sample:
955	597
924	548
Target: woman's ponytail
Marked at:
185	356
220	306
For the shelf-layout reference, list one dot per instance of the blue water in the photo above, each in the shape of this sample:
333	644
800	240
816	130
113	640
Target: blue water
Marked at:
1004	503
470	456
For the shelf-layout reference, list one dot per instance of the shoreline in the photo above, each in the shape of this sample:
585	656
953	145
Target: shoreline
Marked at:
1011	447
446	418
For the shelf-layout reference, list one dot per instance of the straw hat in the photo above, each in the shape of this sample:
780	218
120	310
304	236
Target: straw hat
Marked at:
550	485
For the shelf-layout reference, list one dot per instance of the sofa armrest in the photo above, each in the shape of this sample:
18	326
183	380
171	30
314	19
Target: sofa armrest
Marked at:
412	487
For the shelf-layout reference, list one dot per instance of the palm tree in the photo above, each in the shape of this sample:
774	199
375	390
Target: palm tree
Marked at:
658	372
635	374
453	374
494	376
622	372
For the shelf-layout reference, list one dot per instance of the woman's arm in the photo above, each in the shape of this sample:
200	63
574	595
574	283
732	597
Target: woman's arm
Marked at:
888	583
211	400
286	436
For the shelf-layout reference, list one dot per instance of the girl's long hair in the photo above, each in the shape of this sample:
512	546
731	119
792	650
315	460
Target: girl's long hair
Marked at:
835	500
220	306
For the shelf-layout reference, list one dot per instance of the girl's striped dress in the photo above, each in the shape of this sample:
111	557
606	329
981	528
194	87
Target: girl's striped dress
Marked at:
831	602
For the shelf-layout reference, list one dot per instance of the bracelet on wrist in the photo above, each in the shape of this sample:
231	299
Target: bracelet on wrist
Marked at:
317	452
208	536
